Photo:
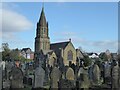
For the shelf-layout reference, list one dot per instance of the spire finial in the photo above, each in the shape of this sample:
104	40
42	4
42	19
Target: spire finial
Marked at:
69	39
43	5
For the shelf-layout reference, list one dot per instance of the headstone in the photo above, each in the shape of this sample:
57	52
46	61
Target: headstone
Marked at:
29	81
66	84
16	78
25	80
39	77
55	77
83	78
115	75
107	72
70	74
8	68
69	81
96	74
90	72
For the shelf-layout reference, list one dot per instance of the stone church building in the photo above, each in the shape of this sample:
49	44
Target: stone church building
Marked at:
60	53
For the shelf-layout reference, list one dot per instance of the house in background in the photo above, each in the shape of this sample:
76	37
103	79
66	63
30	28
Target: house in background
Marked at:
93	55
27	53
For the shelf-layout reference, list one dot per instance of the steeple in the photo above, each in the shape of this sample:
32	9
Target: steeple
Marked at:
42	40
42	20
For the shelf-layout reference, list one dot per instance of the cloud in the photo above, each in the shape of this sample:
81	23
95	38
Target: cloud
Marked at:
14	22
105	44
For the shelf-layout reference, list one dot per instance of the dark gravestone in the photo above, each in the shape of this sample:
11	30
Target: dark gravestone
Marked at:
39	77
115	75
107	72
25	81
16	78
55	77
29	81
66	84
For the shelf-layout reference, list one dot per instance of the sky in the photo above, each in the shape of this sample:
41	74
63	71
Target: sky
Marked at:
92	26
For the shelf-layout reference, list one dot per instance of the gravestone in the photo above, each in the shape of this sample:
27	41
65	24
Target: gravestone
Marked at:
39	77
90	72
55	77
25	81
107	72
16	78
83	78
115	75
70	74
29	81
69	81
8	68
96	74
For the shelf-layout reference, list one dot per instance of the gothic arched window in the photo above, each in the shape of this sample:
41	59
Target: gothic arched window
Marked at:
70	55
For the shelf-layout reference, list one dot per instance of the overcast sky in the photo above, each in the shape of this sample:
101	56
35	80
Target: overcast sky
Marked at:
92	26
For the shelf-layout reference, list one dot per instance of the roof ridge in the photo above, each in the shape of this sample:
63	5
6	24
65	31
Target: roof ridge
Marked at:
60	42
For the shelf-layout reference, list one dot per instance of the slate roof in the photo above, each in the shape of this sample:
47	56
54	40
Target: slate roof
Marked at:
58	45
25	49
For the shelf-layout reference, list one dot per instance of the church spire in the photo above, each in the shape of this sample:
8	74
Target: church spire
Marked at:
42	20
42	40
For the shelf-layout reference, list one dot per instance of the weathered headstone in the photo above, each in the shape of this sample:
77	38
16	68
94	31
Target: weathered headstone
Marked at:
90	72
8	68
115	74
70	74
69	81
39	77
96	74
16	78
55	77
107	72
83	77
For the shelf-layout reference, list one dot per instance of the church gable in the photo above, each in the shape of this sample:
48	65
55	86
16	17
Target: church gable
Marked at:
52	59
57	47
69	54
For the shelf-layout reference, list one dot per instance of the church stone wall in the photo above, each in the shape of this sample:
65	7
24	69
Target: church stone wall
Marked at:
69	47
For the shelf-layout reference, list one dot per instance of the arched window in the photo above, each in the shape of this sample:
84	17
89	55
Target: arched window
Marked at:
70	55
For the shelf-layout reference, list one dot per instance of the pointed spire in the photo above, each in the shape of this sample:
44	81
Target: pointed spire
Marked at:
42	17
